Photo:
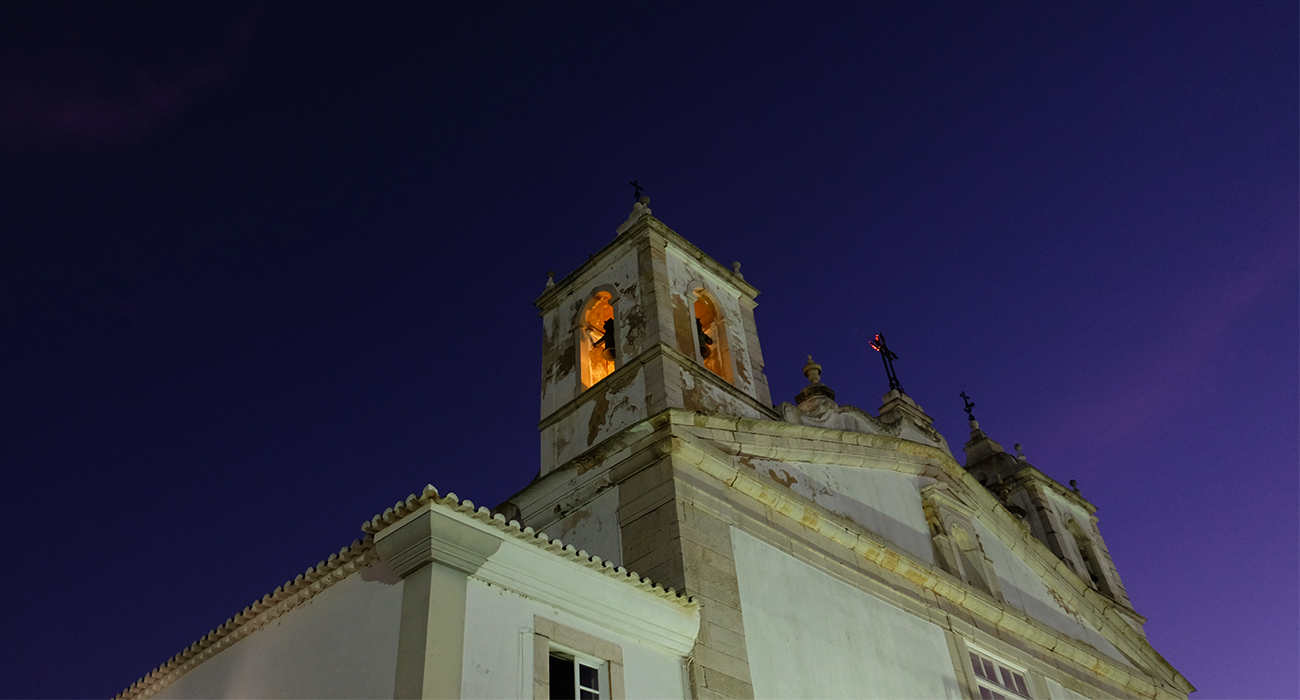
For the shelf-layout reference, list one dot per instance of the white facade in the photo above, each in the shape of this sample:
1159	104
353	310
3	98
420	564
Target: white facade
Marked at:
814	636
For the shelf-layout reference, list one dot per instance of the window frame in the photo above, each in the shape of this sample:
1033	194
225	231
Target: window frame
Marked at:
577	660
977	682
607	657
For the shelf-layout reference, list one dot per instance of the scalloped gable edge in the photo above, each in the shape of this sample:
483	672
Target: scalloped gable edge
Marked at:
257	615
356	556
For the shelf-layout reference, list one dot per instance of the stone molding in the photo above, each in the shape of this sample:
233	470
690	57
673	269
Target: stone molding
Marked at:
434	536
823	412
546	632
308	584
945	511
647	356
429	497
646	226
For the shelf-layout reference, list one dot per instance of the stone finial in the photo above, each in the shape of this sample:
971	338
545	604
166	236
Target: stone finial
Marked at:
640	209
550	279
1020	454
735	268
815	388
812	371
1074	486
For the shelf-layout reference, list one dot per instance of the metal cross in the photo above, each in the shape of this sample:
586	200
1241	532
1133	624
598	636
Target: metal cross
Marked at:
969	405
636	185
888	356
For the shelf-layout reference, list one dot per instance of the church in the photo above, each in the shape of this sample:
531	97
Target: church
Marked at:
687	538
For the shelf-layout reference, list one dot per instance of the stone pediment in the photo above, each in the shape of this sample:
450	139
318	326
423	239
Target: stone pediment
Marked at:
745	454
818	409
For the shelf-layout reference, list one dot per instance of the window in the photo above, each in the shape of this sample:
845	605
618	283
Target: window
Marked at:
596	338
997	681
971	555
1092	572
577	678
711	336
571	664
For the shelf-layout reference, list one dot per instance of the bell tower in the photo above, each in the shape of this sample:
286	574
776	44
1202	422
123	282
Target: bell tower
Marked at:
647	323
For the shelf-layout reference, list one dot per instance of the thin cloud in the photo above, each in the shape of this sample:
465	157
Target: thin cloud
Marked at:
1156	382
123	102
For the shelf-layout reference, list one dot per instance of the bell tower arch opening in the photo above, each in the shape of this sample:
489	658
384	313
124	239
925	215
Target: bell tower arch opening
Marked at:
711	335
597	344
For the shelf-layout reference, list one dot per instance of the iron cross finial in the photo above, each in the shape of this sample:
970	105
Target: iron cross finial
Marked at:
888	356
970	405
637	186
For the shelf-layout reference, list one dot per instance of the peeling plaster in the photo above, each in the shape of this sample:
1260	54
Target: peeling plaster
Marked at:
785	479
683	326
886	503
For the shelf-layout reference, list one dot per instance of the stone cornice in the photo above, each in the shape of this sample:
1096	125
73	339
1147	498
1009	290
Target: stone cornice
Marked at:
1031	474
645	227
1102	613
427	529
415	505
293	593
646	357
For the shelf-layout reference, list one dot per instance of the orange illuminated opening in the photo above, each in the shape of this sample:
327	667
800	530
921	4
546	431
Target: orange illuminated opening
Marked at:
599	349
711	336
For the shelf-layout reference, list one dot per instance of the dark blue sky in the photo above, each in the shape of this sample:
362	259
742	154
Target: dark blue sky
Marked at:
266	269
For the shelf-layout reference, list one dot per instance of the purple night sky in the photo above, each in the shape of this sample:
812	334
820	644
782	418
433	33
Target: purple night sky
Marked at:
269	268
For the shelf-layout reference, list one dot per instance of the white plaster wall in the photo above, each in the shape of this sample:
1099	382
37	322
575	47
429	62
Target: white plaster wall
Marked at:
810	635
1060	692
885	502
342	643
1025	590
499	648
594	527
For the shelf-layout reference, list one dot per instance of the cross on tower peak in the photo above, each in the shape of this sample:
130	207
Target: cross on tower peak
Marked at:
970	405
888	356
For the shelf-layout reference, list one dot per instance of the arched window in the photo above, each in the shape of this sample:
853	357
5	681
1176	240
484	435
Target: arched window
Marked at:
597	347
711	336
972	559
1091	565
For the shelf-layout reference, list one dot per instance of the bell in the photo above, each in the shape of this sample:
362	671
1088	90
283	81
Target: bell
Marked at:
705	340
607	354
